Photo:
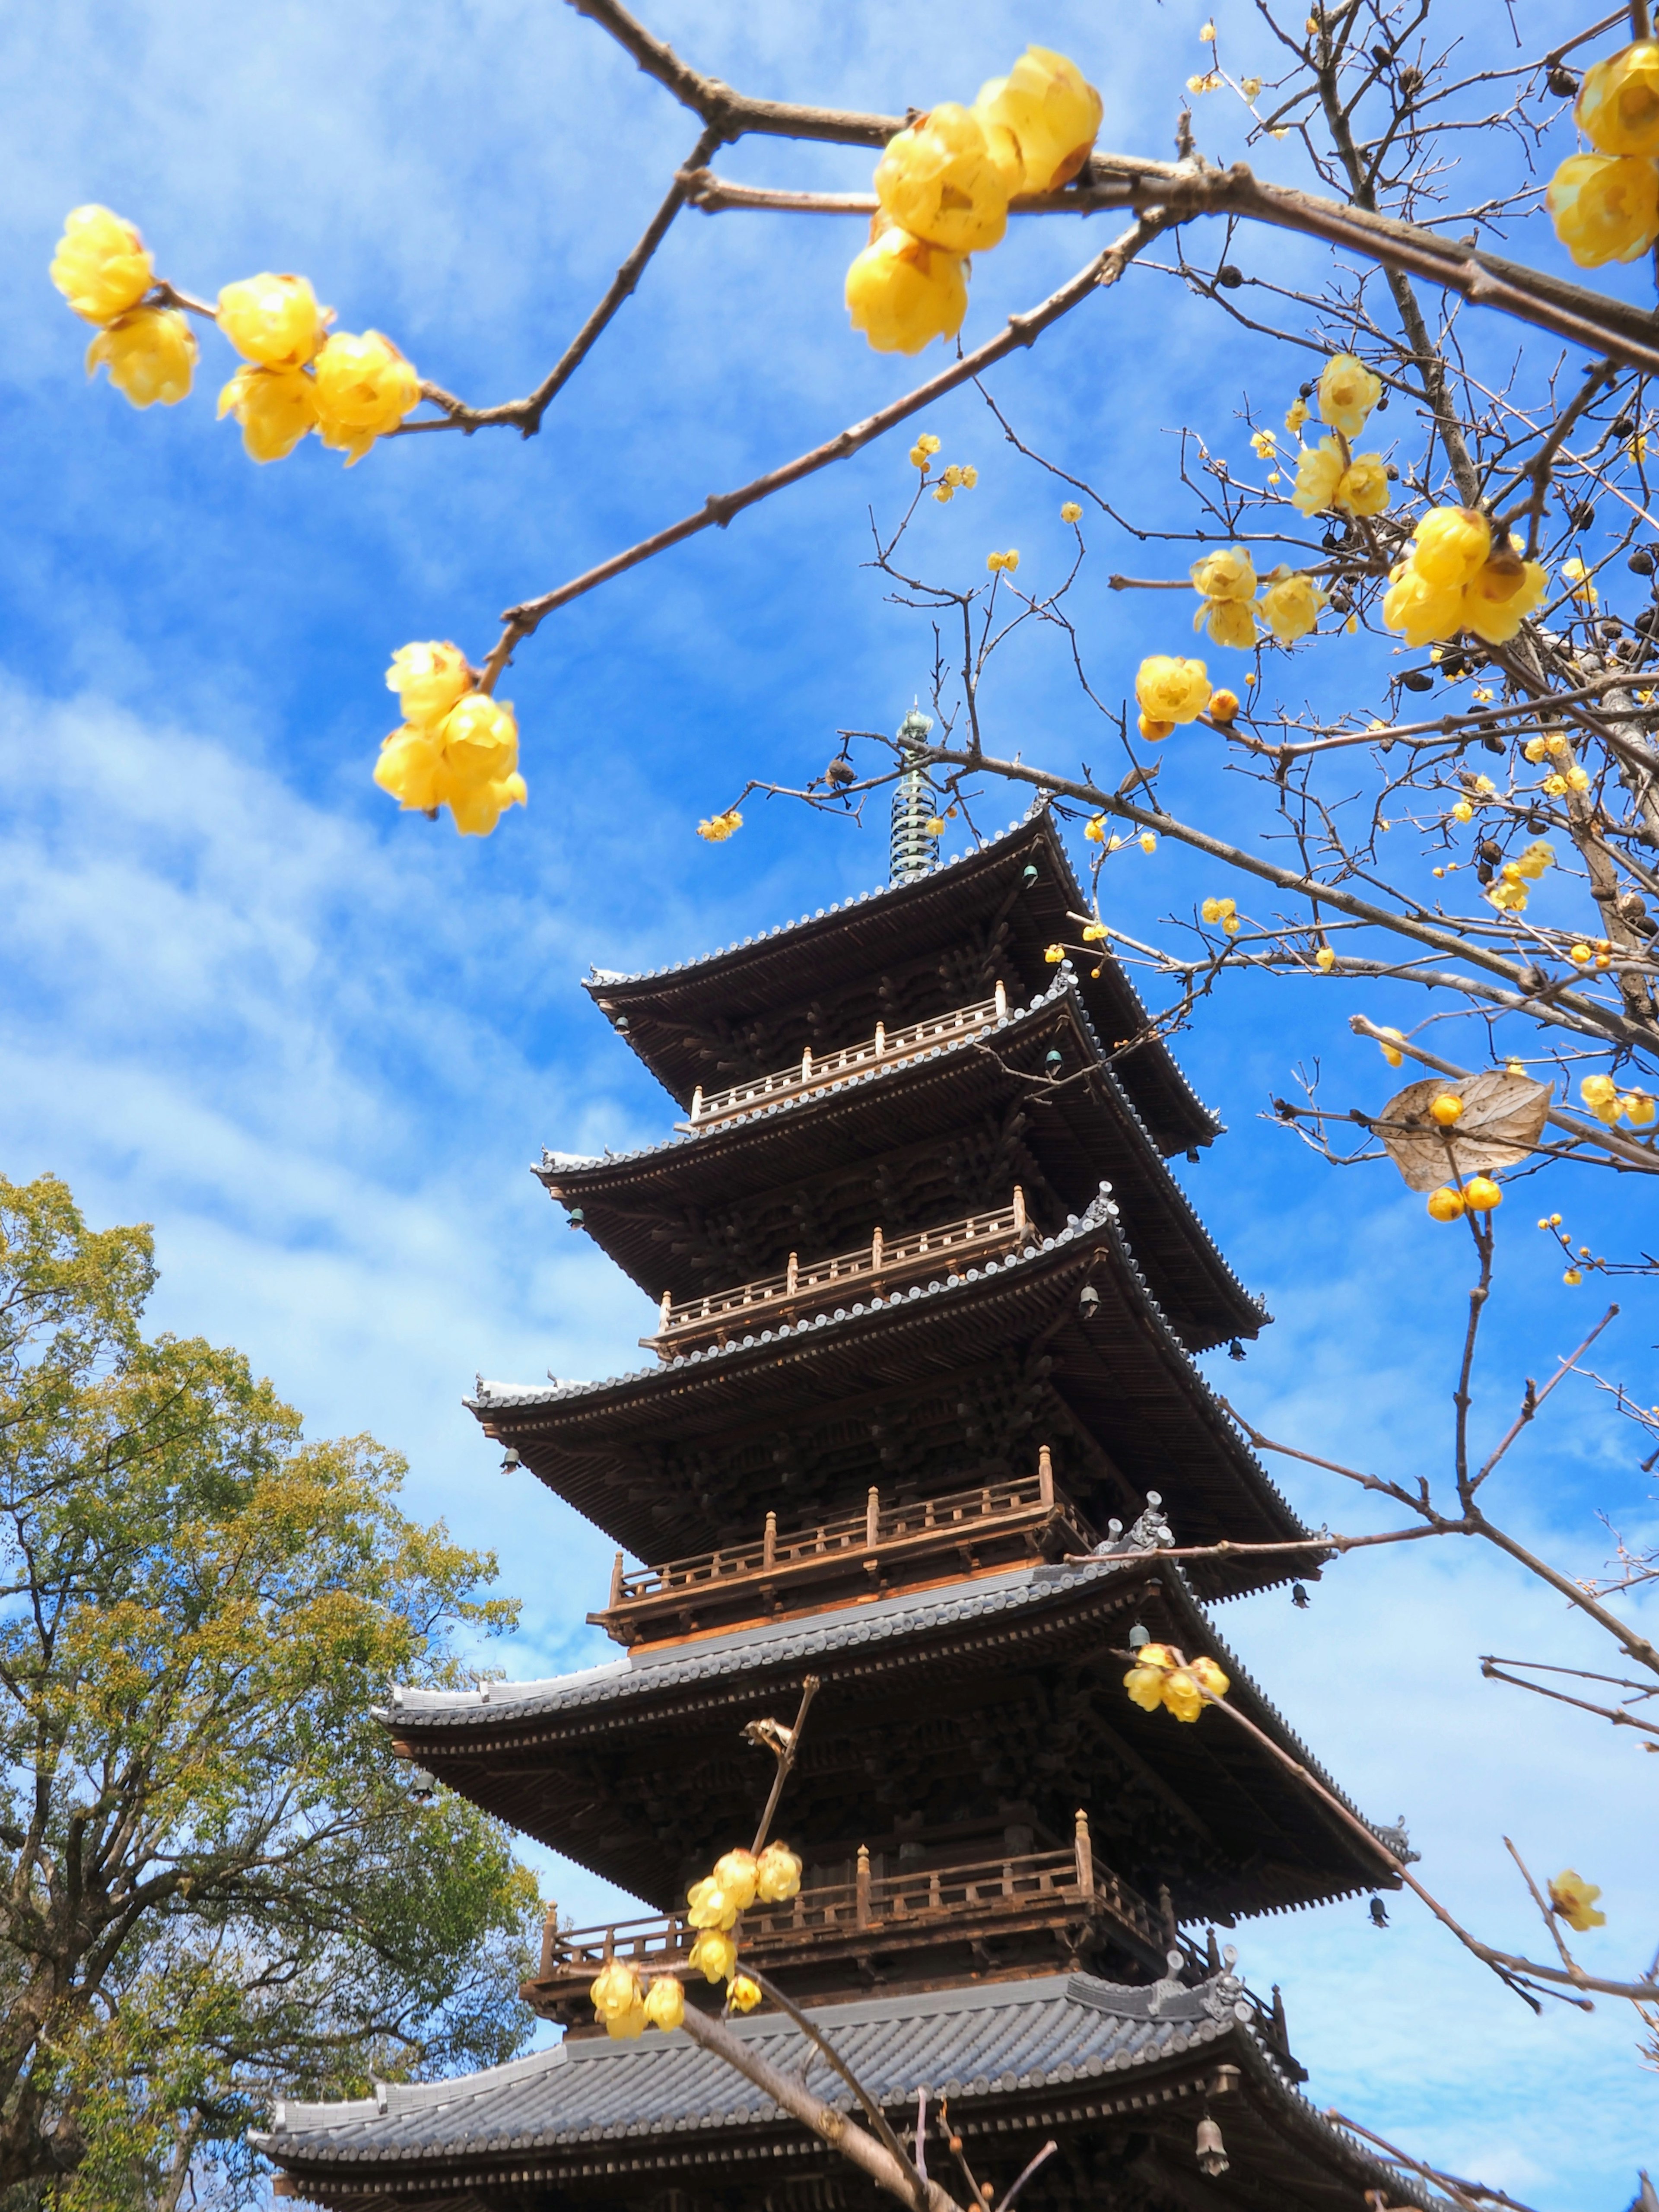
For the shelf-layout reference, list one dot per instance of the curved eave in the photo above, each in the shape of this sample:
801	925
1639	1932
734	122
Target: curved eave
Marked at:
1123	1375
1286	1849
1080	1132
895	920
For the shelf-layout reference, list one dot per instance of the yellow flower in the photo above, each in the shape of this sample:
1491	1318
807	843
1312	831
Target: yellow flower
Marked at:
1389	1043
150	354
746	1994
937	181
272	320
1446	1110
1209	81
1094	932
1574	1899
1227	621
1094	830
100	266
1206	35
1171	690
467	762
1319	473
364	389
1324	960
1462	811
1605	207
1481	1194
1572	1279
1154	732
1347	392
1504	591
1224	911
1534	860
1054	954
923	451
276	407
1290	605
1263	445
1223	705
1638	1108
1445	1204
1009	560
625	2026
1295	415
1071	512
1421	610
1145	1680
1229	575
1040	121
1148	843
428	680
1250	87
1598	1090
1508	896
736	1874
1365	486
712	1955
1577	578
665	2003
411	768
615	1990
709	1906
480	738
1618	108
902	292
478	807
777	1875
719	827
1452	544
969	478
1555	785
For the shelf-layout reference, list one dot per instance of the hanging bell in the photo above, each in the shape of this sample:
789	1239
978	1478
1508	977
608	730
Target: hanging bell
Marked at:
1211	2151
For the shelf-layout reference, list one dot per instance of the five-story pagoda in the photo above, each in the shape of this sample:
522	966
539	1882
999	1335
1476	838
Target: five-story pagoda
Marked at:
921	1421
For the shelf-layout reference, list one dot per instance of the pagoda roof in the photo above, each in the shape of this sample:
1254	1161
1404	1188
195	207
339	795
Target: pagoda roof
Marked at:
1214	1779
1122	1375
1067	2052
895	921
1081	1130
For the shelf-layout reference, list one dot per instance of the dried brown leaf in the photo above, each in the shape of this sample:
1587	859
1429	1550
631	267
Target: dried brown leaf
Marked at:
1502	1121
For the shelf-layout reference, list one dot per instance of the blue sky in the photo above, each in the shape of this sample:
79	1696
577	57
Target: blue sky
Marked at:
318	1044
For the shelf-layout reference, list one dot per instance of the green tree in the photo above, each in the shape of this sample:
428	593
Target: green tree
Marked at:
212	1881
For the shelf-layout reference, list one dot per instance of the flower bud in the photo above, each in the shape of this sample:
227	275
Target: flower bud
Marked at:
1445	1204
100	266
274	321
746	1993
938	181
1040	120
1222	707
276	407
1481	1194
150	354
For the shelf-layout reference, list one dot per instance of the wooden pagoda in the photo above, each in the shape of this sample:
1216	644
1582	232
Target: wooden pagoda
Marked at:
920	1418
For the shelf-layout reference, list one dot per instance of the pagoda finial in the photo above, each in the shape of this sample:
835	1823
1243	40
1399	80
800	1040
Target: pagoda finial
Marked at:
914	850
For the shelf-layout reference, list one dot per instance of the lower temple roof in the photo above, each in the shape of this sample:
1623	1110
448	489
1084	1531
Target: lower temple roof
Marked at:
1068	2054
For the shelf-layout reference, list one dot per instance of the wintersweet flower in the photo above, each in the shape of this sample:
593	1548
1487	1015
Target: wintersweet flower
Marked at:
1365	486
1071	512
1421	610
1580	586
480	738
665	2003
777	1875
1618	105
1295	415
736	1873
712	1955
1445	1204
1094	830
100	266
1008	562
1598	1090
1171	690
1319	473
1291	605
923	451
1222	910
1222	707
1574	1899
937	180
746	1994
1446	1110
708	1906
1481	1193
1452	543
1162	1677
276	407
1145	1680
1605	207
1347	392
1325	959
1389	1043
1502	592
902	292
1263	445
719	827
428	678
411	768
1227	574
1040	121
272	320
1638	1108
364	389
150	354
615	1990
1227	621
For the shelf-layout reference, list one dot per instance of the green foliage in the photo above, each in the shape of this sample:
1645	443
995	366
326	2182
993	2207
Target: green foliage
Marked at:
212	1881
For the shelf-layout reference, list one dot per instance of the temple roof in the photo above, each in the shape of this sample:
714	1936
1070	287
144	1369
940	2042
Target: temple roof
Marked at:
593	2109
1238	1834
673	1458
896	922
637	1206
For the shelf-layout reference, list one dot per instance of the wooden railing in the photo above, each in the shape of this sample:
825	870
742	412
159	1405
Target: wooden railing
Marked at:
886	1048
910	1909
883	1262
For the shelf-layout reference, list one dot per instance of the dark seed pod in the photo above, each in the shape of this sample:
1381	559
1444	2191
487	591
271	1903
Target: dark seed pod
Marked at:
840	772
1583	516
1647	622
1489	851
1416	680
1228	277
1392	473
1623	426
1562	81
1640	563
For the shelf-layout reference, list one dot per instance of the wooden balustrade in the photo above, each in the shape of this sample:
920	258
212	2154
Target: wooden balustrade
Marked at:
885	1261
1062	1891
815	1072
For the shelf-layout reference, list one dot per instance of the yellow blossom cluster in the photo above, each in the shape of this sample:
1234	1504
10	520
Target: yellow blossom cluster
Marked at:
1331	474
740	1879
1605	205
1169	691
1002	563
951	480
1229	610
1479	1195
103	270
621	2001
719	827
1223	910
1095	831
943	187
1160	1676
1509	894
1455	577
457	746
1611	1106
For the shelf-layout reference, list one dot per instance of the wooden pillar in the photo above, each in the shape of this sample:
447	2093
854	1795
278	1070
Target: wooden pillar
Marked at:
696	1102
1084	1846
550	1942
807	1063
881	1039
1019	1211
875	1249
791	1275
1046	1483
617	1581
666	1309
1002	1001
769	1542
861	1884
873	1518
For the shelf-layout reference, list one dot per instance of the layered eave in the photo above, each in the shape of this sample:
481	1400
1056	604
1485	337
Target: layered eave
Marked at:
1069	2055
1273	1845
1081	1128
1142	1417
893	922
